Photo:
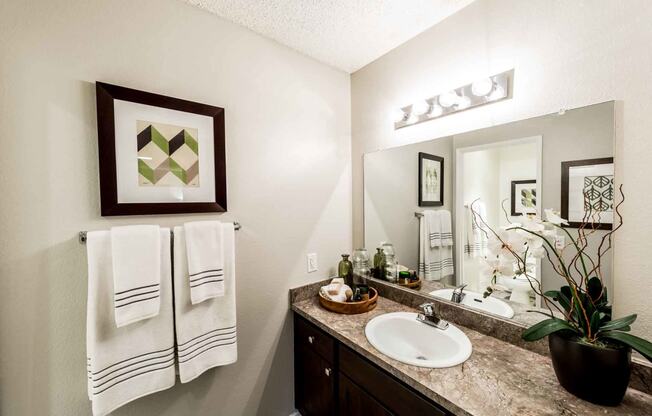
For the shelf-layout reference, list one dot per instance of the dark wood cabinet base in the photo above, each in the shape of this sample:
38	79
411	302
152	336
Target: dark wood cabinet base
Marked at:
332	379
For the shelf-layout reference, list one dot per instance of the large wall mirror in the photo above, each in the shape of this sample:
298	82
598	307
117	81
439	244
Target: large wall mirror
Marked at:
429	191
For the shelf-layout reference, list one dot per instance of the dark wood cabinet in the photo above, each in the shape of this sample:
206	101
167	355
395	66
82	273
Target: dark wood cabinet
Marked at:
332	379
355	401
315	384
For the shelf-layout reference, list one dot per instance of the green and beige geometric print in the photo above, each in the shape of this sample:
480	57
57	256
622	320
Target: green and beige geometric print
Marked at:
598	193
168	155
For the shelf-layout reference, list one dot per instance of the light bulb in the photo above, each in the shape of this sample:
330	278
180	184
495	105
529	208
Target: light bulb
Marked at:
420	107
482	87
398	116
448	99
412	119
436	111
463	102
497	94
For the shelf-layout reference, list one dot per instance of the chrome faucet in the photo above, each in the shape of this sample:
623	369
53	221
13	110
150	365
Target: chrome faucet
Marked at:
458	294
428	317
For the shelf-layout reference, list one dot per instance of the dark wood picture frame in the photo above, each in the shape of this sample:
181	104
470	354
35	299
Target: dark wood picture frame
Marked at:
513	195
439	159
565	169
106	94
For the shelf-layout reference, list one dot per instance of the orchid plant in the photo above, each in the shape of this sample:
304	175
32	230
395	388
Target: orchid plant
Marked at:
582	301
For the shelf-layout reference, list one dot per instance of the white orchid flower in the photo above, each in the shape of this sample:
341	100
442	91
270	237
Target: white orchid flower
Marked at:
533	223
507	242
554	217
496	265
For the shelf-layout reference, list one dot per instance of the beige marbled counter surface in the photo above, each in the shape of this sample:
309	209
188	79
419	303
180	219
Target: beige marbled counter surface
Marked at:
498	379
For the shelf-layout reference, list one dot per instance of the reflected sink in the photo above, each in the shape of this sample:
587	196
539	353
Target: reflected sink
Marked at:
476	301
400	336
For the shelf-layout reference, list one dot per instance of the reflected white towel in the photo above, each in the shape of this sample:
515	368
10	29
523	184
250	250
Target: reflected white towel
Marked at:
446	228
433	223
125	363
205	252
476	238
206	332
434	262
136	257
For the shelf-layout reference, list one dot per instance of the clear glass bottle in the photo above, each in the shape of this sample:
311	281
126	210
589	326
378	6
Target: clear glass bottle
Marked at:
379	264
345	270
361	270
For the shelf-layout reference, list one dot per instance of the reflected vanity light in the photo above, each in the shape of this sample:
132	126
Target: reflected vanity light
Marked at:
487	90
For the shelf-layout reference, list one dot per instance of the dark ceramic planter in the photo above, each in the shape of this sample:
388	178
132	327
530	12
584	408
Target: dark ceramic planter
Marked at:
597	375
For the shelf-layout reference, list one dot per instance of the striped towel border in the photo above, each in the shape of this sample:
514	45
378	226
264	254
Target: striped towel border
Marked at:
129	368
206	342
206	277
136	295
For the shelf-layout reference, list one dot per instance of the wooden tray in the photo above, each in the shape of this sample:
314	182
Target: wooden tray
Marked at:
351	308
412	285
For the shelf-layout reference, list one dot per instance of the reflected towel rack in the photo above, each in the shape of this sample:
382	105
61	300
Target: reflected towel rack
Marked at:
418	214
82	234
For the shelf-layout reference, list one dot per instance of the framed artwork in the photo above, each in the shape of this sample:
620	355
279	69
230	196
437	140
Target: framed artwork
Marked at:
158	154
524	197
431	180
587	192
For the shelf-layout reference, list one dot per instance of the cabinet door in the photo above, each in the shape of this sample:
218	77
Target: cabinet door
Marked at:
353	401
314	384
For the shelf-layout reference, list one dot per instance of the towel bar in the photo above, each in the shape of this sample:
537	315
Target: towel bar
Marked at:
82	234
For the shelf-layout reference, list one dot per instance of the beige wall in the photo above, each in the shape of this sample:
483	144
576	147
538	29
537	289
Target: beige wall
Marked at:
289	184
566	55
392	196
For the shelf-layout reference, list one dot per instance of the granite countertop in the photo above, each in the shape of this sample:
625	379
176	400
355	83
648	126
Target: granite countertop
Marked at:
498	379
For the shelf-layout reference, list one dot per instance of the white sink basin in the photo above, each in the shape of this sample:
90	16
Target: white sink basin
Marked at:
476	301
400	336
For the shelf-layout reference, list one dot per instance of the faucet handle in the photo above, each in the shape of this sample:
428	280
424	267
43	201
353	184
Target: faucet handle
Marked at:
461	287
427	308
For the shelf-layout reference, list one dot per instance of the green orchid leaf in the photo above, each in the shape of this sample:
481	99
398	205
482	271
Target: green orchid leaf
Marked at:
560	298
639	344
595	322
618	324
594	288
546	327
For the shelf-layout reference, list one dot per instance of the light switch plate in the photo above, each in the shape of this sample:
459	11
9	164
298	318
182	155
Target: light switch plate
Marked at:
312	262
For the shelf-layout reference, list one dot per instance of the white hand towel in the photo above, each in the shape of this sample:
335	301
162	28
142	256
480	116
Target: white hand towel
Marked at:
434	262
476	237
135	360
205	252
446	228
136	257
206	332
433	224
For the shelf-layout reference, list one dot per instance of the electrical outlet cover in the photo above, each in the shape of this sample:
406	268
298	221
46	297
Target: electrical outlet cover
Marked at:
312	262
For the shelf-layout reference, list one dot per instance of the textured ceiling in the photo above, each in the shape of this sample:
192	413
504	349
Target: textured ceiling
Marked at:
347	34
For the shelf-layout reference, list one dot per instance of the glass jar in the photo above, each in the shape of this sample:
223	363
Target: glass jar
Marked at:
391	263
361	270
345	270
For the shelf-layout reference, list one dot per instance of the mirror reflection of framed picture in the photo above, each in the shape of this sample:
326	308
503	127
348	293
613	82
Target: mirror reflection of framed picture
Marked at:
431	180
158	154
587	192
524	197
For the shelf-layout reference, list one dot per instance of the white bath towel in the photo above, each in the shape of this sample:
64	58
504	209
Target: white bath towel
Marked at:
476	237
206	332
131	361
205	259
136	257
434	262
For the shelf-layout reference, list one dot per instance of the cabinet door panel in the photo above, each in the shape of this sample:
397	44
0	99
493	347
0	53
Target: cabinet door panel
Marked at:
353	401
314	384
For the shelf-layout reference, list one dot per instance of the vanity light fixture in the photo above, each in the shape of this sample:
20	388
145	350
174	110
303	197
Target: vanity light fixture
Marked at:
483	91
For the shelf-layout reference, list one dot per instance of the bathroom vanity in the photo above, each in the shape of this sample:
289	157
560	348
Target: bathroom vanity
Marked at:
338	372
331	378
